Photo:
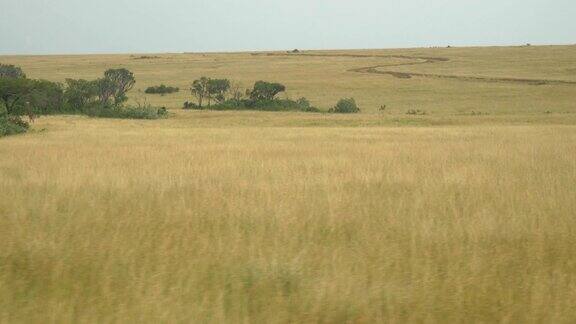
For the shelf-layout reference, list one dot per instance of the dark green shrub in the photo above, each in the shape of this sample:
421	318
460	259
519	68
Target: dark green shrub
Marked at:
25	96
301	104
13	95
162	112
46	97
266	90
128	112
304	105
143	112
20	96
12	126
191	105
345	106
80	94
161	89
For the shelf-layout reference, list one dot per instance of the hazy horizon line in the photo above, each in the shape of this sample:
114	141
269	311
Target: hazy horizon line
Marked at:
74	53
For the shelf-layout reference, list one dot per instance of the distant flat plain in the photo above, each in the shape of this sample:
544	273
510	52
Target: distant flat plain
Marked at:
325	76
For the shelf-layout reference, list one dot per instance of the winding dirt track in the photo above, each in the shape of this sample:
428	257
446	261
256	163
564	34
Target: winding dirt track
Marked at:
417	60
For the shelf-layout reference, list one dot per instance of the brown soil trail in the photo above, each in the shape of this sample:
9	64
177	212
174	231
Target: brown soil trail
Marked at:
417	60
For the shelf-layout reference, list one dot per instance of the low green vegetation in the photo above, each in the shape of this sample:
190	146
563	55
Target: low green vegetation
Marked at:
266	105
345	106
127	112
161	89
222	94
104	97
12	126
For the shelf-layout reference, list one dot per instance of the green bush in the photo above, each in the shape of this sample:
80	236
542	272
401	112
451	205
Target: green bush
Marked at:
161	89
80	94
301	104
46	98
12	125
304	105
345	106
128	112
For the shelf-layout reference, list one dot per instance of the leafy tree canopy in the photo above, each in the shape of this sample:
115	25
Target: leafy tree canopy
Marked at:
266	90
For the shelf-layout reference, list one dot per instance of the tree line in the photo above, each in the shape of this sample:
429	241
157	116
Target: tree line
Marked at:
103	97
107	96
223	94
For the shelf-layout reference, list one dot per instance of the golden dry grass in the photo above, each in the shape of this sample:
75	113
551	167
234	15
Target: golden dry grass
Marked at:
124	221
256	217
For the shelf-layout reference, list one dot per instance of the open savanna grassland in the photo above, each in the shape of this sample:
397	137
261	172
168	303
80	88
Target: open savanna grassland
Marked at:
256	217
326	76
206	218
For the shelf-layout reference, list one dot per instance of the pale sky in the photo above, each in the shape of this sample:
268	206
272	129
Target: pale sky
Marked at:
159	26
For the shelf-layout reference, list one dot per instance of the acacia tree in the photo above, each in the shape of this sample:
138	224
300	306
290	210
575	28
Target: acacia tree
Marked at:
199	89
217	89
117	83
106	90
266	90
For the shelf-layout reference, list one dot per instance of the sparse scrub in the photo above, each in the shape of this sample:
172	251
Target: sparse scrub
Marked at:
266	105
